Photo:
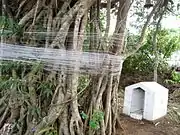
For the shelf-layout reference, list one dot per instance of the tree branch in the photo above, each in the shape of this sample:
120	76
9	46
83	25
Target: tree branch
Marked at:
155	44
139	44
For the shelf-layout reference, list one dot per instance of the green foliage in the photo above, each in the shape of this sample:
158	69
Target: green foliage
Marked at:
175	78
34	111
143	61
28	86
83	115
46	88
167	43
9	27
97	117
83	82
102	21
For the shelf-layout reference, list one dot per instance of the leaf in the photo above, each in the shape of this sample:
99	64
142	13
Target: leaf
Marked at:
83	115
98	115
93	124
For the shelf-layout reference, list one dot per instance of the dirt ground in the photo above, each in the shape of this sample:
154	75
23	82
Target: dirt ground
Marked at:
161	127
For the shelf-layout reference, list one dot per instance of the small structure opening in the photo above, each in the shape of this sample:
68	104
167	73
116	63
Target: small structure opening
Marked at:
137	102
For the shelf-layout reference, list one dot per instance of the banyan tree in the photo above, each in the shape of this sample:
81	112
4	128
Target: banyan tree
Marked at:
57	99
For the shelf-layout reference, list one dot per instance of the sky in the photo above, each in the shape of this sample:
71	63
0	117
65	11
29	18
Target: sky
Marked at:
175	59
170	22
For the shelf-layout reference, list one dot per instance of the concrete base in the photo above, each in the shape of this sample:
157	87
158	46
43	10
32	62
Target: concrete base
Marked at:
136	116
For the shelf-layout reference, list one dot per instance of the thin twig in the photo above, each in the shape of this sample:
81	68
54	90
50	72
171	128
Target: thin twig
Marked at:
140	43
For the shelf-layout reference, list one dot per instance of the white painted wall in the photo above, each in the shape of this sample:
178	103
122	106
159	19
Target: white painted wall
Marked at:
154	104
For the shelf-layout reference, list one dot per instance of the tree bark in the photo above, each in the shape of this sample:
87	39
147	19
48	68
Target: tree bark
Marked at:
156	60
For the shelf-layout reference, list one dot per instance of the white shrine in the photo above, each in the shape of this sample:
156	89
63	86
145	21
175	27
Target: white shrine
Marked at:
145	100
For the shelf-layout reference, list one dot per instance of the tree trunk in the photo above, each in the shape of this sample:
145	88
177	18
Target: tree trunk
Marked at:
156	60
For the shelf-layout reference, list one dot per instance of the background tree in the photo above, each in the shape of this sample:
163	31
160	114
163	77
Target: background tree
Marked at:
143	61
